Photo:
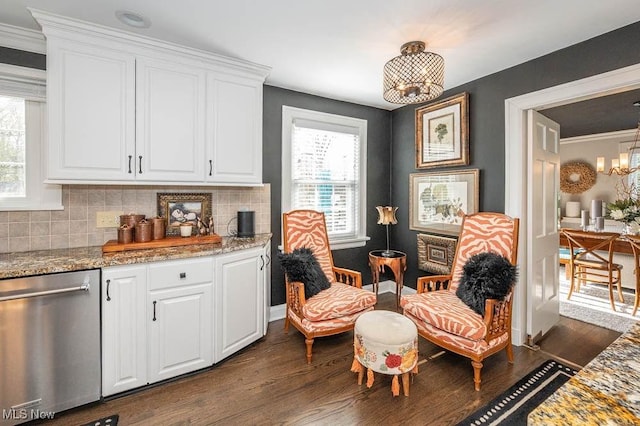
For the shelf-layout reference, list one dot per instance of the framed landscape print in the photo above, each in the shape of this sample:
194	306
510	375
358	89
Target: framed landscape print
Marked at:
179	208
442	133
439	200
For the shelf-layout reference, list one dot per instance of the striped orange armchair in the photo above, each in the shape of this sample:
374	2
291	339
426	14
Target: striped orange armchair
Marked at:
334	310
442	317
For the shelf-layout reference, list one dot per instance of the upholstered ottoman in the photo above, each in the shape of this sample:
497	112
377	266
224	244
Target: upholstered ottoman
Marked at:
385	342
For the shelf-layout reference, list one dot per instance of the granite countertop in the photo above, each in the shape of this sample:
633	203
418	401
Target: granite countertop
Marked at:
605	391
14	265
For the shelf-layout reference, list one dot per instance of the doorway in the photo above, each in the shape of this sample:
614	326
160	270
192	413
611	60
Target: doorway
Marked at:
517	159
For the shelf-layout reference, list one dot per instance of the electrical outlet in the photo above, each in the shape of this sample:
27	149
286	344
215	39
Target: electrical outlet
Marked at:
108	219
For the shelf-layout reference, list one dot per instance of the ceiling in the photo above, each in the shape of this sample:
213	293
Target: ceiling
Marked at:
337	48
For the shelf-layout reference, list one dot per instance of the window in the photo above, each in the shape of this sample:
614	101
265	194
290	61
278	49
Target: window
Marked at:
22	118
324	169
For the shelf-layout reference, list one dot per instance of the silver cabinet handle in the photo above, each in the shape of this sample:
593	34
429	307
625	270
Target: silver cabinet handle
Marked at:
130	163
154	310
108	284
140	166
210	167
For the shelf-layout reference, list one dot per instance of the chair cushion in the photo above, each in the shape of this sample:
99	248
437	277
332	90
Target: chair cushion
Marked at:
486	276
445	311
337	301
301	265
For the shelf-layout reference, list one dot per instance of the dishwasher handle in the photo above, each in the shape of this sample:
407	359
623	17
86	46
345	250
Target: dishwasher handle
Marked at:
84	287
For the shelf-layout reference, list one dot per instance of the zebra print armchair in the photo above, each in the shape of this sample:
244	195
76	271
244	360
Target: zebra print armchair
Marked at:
442	317
334	310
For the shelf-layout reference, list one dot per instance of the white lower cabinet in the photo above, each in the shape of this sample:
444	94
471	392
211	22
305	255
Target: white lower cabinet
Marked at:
124	328
179	306
239	301
163	319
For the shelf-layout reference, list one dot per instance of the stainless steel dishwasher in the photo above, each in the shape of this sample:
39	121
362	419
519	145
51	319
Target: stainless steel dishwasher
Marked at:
49	344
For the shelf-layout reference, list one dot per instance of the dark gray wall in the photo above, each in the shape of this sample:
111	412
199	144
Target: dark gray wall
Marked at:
486	121
22	59
378	172
391	148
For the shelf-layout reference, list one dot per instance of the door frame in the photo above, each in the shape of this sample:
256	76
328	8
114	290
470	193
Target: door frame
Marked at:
517	161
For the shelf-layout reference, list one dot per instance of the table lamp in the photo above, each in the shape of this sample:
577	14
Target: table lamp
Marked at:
387	216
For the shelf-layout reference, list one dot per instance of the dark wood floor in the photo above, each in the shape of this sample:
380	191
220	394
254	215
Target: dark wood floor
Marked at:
270	383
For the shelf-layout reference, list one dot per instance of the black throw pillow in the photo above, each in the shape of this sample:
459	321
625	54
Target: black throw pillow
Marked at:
301	265
485	276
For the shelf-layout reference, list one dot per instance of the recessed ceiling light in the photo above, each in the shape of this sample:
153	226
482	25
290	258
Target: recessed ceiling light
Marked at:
133	19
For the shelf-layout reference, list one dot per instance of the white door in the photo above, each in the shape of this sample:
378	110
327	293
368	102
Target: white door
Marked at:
234	129
180	331
90	100
170	121
543	309
239	301
124	328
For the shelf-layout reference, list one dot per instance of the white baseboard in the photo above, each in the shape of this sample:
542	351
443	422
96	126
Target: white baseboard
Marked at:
279	311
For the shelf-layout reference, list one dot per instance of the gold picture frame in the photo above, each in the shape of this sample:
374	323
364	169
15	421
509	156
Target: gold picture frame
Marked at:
439	200
435	253
442	133
177	208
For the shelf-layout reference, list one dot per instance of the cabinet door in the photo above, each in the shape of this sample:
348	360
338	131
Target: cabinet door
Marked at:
266	277
124	329
90	102
170	121
180	331
239	301
234	129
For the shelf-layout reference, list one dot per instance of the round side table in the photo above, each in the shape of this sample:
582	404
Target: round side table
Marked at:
394	260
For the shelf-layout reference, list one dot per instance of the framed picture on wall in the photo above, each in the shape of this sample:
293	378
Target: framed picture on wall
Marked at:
439	200
442	133
435	253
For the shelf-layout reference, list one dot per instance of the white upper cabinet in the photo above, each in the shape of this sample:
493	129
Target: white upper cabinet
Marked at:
235	112
123	107
91	105
170	121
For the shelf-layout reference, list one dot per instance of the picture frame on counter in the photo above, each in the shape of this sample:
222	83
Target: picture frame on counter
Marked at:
183	208
439	200
442	133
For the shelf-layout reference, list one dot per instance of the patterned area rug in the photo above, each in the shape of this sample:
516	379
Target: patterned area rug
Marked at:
105	421
591	304
514	405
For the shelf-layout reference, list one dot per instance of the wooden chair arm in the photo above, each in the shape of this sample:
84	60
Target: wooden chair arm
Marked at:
295	297
433	283
348	276
497	317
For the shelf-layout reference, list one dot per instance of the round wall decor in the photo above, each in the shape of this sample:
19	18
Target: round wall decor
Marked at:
576	177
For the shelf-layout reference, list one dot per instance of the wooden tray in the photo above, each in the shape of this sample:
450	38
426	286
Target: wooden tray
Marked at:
113	245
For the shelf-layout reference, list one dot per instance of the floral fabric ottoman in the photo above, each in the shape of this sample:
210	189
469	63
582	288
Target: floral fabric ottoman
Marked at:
385	342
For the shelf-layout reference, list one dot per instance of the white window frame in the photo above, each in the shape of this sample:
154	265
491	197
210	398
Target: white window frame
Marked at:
30	84
289	115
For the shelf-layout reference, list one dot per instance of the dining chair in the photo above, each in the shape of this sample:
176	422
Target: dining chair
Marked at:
634	241
591	260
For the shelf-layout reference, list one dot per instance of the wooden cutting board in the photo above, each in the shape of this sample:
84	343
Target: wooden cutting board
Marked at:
114	246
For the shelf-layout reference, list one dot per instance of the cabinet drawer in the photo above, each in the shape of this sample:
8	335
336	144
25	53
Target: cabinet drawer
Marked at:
180	272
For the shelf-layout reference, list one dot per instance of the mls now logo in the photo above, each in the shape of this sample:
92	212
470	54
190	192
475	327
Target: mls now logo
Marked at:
24	414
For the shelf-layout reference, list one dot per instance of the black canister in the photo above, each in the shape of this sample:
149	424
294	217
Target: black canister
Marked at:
245	224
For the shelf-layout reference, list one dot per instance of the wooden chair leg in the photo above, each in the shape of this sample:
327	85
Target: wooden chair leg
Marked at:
620	296
636	303
613	305
309	344
477	367
405	384
509	349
